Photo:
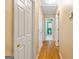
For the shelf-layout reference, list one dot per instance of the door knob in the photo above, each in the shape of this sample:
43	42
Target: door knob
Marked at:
18	45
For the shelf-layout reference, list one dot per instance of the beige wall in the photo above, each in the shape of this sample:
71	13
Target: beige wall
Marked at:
38	12
66	32
9	28
36	26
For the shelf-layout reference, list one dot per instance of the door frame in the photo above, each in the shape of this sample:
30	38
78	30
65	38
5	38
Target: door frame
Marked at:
57	27
33	28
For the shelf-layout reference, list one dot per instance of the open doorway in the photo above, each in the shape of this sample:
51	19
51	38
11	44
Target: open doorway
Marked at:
50	28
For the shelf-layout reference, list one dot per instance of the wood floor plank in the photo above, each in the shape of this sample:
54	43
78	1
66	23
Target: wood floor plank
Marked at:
49	51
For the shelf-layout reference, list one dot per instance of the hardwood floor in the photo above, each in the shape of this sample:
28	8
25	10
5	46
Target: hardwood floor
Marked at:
49	51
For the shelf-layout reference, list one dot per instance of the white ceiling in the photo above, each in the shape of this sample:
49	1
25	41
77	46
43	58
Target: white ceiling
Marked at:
48	9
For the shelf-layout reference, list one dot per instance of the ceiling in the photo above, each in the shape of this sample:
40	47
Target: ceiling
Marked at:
49	10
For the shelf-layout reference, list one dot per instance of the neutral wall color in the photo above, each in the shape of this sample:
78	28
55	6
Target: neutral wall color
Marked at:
36	26
38	12
66	32
41	19
9	28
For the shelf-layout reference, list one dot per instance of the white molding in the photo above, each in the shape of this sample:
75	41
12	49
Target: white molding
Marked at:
60	55
38	53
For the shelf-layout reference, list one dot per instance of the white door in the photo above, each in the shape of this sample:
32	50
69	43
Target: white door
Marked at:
22	29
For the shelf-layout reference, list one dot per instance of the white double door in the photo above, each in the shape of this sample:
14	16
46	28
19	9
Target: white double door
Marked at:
23	29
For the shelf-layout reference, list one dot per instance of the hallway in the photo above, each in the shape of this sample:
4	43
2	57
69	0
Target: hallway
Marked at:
49	51
39	29
48	33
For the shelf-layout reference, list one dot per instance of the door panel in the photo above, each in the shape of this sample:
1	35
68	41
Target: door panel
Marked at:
29	14
21	52
29	50
21	21
22	1
22	29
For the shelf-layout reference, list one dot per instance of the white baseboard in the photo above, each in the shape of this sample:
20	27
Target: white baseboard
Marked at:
38	53
60	55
